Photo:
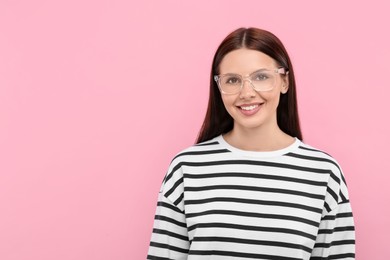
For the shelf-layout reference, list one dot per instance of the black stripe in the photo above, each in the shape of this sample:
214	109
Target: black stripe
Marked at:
342	256
166	205
313	158
313	150
343	198
257	163
241	255
344	181
328	217
344	202
325	231
170	220
335	243
178	200
345	228
344	215
335	178
171	190
202	152
246	162
170	174
252	215
338	256
252	201
252	242
252	228
343	242
171	234
170	247
253	175
254	188
210	143
180	164
337	229
152	257
332	193
327	207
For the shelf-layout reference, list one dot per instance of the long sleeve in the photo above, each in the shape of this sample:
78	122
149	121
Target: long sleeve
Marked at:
169	238
336	236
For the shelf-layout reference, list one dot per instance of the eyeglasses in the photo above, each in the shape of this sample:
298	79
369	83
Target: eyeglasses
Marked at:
260	80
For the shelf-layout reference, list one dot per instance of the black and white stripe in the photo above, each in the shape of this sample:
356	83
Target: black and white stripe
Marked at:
218	202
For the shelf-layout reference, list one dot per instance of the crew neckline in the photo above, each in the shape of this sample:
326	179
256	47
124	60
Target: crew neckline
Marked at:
258	154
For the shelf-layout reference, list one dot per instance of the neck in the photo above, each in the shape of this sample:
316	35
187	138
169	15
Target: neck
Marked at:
263	139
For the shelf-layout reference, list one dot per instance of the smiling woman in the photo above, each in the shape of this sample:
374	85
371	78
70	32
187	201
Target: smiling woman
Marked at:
252	108
250	188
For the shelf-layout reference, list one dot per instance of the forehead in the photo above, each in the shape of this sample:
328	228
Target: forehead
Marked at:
244	61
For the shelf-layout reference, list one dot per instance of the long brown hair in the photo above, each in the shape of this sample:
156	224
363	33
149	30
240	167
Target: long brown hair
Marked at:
217	120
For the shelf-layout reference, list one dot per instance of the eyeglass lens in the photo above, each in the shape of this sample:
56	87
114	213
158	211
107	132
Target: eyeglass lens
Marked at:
261	81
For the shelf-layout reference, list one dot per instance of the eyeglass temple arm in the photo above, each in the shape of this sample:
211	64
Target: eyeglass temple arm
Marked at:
282	70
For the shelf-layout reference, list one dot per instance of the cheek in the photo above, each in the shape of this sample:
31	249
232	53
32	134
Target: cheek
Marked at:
271	97
228	101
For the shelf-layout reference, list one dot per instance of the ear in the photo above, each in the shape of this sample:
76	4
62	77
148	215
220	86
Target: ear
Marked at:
285	84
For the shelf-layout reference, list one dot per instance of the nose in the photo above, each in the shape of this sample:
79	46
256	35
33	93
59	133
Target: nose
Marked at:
247	90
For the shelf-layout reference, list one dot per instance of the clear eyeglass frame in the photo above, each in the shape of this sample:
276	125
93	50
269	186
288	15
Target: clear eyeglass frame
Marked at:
269	86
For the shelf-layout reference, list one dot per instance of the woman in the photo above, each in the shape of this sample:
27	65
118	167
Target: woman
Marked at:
250	188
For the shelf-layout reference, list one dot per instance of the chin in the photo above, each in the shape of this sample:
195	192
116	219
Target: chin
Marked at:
250	125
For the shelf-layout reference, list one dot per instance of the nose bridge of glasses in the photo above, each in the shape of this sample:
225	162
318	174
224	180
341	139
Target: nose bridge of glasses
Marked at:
250	83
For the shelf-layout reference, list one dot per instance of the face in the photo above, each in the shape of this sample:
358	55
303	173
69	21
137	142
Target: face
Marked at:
249	108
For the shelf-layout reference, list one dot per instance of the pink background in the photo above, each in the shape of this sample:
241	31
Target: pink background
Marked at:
96	97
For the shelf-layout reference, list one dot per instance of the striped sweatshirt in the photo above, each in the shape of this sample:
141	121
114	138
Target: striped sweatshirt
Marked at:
220	202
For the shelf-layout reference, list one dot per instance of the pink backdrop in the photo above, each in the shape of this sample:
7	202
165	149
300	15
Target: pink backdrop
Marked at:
97	96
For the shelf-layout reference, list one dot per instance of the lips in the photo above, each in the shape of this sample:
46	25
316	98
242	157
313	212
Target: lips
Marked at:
249	109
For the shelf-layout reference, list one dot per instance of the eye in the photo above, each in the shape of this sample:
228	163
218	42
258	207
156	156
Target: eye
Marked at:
260	76
232	80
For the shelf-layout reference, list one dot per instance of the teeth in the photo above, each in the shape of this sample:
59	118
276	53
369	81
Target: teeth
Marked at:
249	107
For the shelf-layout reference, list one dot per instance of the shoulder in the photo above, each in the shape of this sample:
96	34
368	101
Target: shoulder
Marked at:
173	187
198	151
337	191
316	156
193	155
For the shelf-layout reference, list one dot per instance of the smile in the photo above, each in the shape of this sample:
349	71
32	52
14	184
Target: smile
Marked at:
249	108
